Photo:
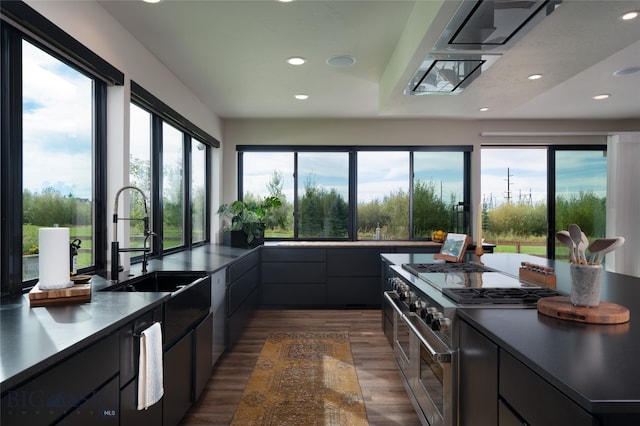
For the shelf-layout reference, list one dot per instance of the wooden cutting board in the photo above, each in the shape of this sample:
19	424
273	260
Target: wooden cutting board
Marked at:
78	293
562	308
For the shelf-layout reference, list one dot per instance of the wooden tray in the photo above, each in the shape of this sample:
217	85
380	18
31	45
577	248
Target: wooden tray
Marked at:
562	308
78	293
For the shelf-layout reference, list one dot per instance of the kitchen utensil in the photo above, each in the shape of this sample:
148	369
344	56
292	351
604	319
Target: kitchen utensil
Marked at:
565	238
582	248
576	236
597	245
618	241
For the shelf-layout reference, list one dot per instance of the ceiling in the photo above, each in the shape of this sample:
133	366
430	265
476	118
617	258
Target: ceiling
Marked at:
232	55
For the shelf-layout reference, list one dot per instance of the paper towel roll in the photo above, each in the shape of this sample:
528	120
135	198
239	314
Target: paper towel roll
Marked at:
54	258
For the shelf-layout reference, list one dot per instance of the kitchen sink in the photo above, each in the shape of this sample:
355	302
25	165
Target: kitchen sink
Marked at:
164	281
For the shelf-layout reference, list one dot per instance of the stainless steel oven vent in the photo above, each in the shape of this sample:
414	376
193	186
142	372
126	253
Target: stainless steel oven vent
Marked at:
448	74
492	24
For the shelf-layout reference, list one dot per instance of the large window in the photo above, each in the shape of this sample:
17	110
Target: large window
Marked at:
530	193
323	203
580	177
172	187
139	172
57	164
169	161
348	193
383	195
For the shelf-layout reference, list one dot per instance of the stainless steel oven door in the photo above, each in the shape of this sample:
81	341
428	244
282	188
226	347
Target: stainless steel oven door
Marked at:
401	334
434	382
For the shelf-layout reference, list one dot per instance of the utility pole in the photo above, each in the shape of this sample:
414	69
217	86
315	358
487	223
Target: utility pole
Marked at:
509	183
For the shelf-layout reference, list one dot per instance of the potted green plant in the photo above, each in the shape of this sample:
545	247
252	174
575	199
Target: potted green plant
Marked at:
247	221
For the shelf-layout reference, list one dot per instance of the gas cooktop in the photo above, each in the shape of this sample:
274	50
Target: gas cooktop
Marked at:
498	296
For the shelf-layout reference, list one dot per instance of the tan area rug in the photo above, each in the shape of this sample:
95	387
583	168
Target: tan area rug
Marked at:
303	378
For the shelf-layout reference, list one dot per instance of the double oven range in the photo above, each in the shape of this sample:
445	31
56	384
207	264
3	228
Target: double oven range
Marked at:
420	321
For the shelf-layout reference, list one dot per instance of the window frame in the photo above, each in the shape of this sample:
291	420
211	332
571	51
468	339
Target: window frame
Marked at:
353	177
20	22
162	113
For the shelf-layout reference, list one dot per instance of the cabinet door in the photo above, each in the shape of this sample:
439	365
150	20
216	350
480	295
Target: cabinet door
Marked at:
101	408
129	413
535	400
478	378
177	380
48	396
507	417
202	354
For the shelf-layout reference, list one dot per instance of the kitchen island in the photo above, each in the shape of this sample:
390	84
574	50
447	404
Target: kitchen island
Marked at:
518	366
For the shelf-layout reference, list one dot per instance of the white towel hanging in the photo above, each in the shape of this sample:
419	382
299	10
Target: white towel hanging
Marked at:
150	377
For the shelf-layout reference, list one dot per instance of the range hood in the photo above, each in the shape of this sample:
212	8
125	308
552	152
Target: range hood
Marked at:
473	40
492	24
448	73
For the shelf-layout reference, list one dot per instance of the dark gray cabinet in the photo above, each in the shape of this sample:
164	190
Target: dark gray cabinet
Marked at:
353	277
97	409
293	277
241	295
178	380
79	385
535	400
334	276
129	363
498	389
478	378
203	361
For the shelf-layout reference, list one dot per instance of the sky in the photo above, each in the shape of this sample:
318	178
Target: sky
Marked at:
57	108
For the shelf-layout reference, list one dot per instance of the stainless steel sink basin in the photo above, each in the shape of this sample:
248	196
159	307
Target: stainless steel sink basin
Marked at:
165	281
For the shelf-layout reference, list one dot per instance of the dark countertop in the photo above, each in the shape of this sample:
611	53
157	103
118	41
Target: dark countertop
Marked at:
595	365
35	338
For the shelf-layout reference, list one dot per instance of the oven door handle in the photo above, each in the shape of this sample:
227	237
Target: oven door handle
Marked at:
438	351
392	298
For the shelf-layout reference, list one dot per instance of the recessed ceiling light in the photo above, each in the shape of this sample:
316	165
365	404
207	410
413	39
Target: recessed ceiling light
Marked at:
301	97
296	60
535	77
151	1
628	16
627	71
484	109
341	61
602	96
285	1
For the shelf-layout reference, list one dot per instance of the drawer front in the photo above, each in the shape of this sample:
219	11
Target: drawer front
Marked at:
101	409
293	294
240	289
238	268
526	392
299	272
298	254
48	396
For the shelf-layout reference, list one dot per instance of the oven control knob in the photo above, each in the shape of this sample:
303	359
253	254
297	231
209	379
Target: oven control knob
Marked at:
435	323
417	305
429	315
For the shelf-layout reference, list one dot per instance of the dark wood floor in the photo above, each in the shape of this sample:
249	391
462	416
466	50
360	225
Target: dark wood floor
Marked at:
386	401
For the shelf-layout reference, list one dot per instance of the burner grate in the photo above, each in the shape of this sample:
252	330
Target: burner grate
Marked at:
420	268
496	296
